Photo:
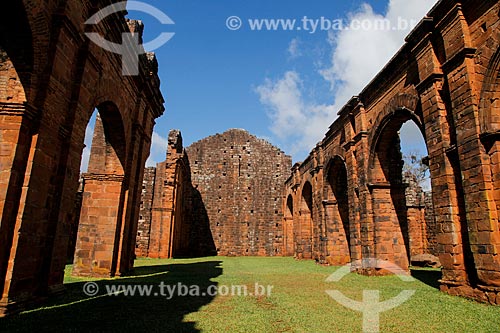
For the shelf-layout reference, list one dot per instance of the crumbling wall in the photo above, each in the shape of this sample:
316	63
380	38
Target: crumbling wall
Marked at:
445	80
240	179
222	195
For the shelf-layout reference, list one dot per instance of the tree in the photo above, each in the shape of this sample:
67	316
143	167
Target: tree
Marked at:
415	164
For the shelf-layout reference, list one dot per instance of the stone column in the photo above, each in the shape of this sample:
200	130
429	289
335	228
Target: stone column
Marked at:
100	224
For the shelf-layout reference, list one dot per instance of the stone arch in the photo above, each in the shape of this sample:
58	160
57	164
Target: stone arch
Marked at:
104	196
16	53
489	111
46	92
289	207
490	134
390	122
390	212
304	234
490	120
108	153
105	102
288	226
336	206
17	122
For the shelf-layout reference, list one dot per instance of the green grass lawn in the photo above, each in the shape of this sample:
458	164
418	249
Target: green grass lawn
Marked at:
298	302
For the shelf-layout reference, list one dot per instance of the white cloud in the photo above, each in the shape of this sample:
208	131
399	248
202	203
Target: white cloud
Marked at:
291	117
356	57
294	49
358	54
89	132
158	150
284	99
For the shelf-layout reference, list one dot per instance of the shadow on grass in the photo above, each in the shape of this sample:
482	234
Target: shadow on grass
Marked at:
76	312
430	277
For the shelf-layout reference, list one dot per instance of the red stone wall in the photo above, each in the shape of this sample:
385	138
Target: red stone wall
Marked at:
240	179
166	218
222	195
445	79
52	78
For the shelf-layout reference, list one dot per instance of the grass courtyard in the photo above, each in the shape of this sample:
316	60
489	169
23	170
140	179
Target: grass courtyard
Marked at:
298	301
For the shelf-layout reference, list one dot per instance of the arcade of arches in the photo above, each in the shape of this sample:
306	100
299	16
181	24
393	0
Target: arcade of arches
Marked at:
52	78
346	202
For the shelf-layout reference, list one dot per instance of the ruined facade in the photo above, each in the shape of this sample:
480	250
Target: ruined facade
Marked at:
346	201
222	195
52	78
240	179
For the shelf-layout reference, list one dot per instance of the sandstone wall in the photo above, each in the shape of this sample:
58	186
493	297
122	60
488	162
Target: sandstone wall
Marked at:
222	195
240	179
445	80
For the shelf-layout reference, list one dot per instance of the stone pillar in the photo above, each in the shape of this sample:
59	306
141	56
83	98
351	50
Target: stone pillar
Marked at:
164	218
288	236
483	229
364	222
16	122
389	240
305	234
415	206
100	222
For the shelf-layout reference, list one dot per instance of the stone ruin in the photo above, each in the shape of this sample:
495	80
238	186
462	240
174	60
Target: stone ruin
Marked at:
52	79
220	196
347	201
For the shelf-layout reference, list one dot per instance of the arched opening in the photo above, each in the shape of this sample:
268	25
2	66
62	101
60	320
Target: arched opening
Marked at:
17	128
490	126
337	224
107	153
305	236
422	224
488	269
405	228
493	149
103	192
288	227
89	134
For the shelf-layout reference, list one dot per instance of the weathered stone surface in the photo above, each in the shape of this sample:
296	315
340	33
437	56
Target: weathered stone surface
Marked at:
223	195
348	200
52	78
144	226
240	179
425	260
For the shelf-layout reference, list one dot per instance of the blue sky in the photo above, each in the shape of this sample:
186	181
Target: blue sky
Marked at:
284	86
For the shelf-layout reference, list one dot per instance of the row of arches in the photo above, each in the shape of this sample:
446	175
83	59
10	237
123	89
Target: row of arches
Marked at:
327	227
356	206
52	79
